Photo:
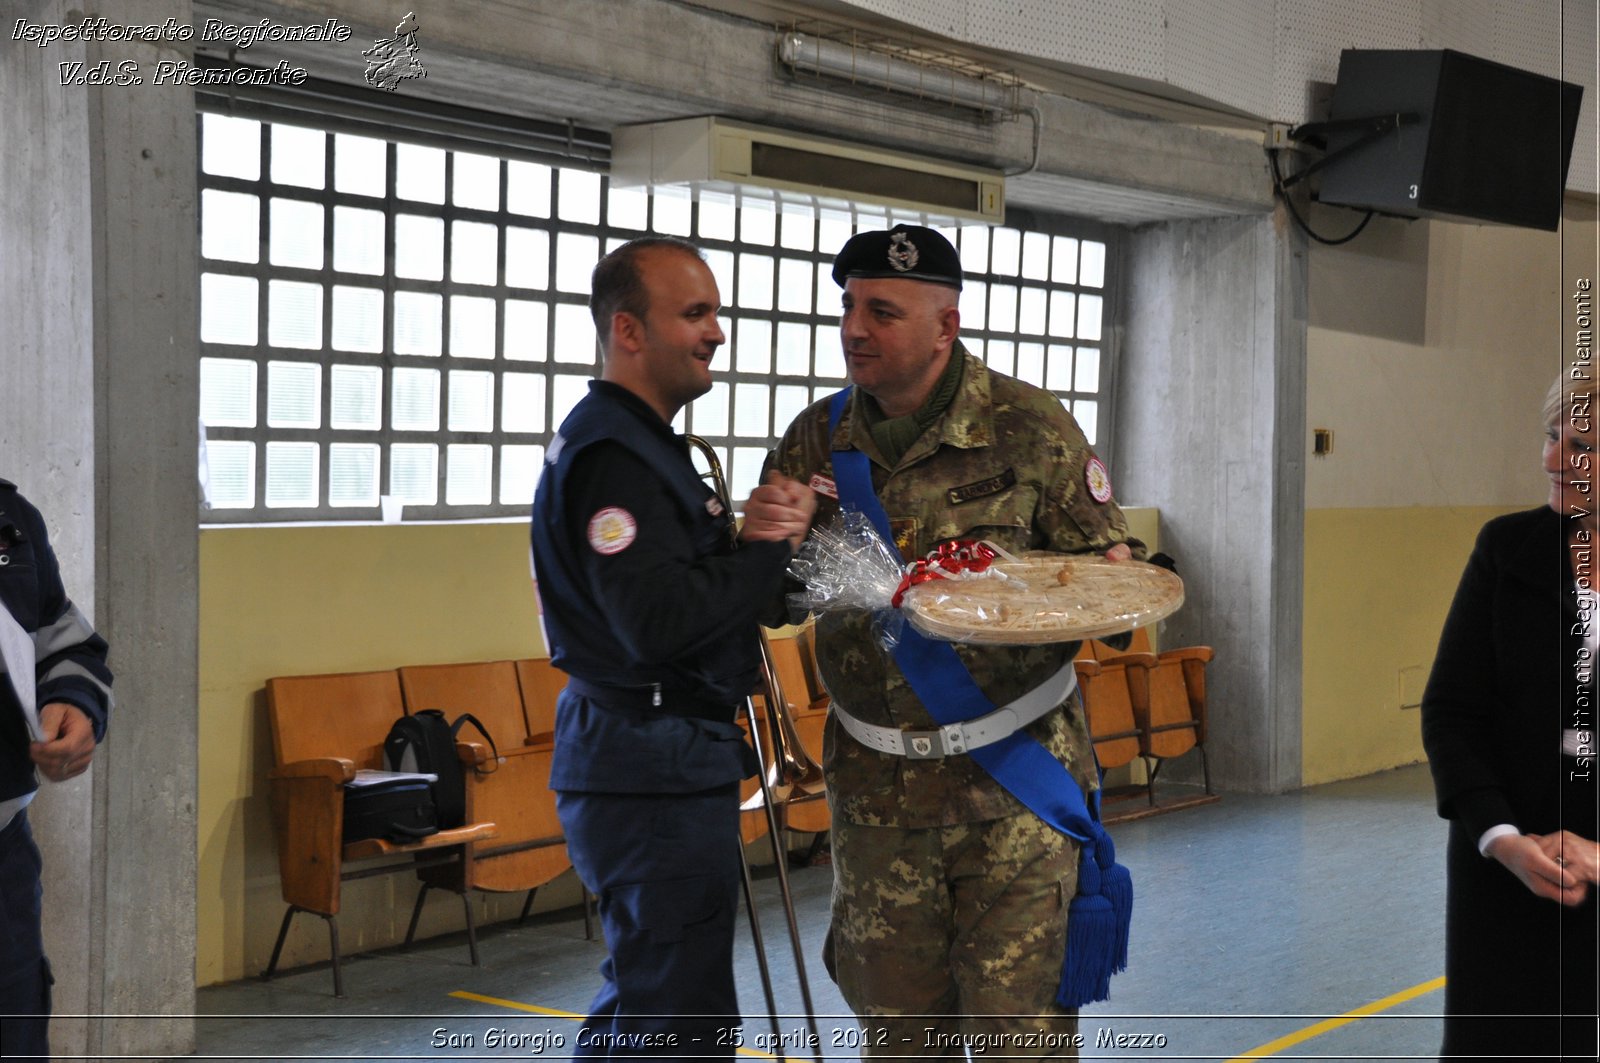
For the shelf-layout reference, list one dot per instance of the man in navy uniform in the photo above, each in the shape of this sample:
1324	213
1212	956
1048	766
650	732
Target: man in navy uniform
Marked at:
652	611
53	706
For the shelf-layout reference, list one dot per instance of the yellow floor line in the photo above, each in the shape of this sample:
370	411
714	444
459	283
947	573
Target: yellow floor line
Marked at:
462	994
1274	1047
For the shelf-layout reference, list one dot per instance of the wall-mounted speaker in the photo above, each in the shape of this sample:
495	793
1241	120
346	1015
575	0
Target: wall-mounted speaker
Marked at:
1475	140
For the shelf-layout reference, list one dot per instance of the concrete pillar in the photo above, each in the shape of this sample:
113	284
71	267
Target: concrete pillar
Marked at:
1211	428
98	411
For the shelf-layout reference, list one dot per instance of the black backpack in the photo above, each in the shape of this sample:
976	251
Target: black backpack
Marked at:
426	742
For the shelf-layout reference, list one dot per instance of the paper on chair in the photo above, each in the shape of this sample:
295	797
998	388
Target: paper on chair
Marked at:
372	777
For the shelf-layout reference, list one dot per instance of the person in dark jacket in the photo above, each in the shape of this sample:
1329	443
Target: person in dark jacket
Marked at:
652	612
54	700
1508	721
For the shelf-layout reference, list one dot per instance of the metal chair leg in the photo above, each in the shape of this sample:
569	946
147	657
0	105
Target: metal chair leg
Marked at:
416	912
472	928
527	906
333	947
277	949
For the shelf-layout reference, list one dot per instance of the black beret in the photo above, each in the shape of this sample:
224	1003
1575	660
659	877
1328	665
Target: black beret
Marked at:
914	252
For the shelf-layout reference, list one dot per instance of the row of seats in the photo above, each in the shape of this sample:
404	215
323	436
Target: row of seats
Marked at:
1146	705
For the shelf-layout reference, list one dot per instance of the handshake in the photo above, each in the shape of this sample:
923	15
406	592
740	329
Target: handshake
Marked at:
779	509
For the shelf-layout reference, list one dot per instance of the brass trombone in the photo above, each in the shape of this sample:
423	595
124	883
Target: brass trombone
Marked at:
788	770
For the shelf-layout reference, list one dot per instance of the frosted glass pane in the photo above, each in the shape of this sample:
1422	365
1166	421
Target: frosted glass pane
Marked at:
228	392
230	226
789	402
628	208
418	323
357	319
1063	314
296	234
975	248
828	293
291	475
1092	273
1058	376
750	416
294	314
471	326
833	229
575	342
471	401
1087	377
299	156
753	345
1036	256
232	146
567	392
1001	356
794	285
355	398
527	327
528	189
579	196
829	355
1002	308
974	312
797	224
1030	363
671	211
745	472
755	282
414	473
721	265
794	349
360	165
467	474
477	182
474	247
522	402
717	216
519	473
1064	260
708	415
1031	312
527	258
576	256
415	402
758	221
352	474
419	247
227	309
231	465
358	240
1089	307
418	173
1005	251
1087	413
294	395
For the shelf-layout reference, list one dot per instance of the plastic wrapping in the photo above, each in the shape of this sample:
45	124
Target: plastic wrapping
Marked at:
976	592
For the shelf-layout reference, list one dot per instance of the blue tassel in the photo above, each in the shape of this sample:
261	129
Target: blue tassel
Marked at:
1098	922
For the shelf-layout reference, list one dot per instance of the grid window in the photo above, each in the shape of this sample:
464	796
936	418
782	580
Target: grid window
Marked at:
386	318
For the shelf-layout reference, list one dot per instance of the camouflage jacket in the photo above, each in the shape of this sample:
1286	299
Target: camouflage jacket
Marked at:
1005	462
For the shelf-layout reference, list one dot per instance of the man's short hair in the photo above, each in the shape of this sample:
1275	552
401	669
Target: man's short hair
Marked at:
616	285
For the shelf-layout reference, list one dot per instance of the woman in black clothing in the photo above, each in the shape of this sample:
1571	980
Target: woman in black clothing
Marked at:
1509	723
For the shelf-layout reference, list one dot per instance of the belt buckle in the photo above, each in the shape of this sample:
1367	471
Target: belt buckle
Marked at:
923	745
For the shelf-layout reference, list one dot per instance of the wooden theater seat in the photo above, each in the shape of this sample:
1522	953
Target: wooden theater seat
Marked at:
1169	701
515	793
541	683
325	728
1107	699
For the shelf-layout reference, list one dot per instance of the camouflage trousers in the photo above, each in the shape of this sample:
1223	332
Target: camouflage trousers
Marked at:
952	937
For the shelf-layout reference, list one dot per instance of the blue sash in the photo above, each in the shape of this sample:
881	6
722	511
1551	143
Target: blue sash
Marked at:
1100	914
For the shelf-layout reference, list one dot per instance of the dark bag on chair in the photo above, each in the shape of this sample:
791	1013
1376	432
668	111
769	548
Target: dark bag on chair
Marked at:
426	742
398	810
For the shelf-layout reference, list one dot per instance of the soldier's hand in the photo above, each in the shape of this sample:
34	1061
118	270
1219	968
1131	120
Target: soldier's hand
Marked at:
1119	552
779	509
69	742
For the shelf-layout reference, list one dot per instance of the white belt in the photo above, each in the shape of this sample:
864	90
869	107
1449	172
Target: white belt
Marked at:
969	734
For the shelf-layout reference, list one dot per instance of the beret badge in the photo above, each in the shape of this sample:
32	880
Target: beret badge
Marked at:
902	252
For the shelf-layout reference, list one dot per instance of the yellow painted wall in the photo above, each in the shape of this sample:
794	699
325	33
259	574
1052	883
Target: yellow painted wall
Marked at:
298	600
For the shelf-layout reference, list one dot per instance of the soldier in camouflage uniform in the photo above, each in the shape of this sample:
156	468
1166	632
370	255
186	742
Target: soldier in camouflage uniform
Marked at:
950	896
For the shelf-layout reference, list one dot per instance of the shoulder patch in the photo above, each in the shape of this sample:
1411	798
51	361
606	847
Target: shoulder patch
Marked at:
1097	480
612	530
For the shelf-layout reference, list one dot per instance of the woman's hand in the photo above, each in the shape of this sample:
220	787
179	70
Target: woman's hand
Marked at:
1577	854
1524	856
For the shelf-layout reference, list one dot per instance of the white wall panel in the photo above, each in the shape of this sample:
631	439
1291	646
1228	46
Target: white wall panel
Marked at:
1219	42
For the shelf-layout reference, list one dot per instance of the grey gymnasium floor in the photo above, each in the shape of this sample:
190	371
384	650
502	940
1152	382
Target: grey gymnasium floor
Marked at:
1304	926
